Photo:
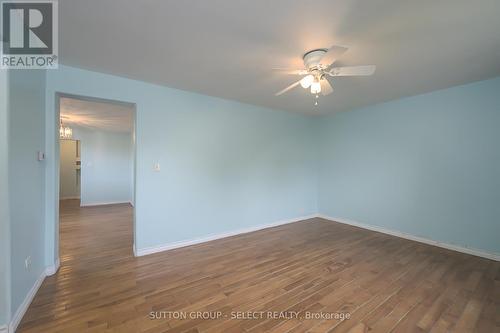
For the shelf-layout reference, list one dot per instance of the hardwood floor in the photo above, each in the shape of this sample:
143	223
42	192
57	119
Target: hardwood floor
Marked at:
317	268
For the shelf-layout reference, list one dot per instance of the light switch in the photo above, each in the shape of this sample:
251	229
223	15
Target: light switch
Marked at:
156	167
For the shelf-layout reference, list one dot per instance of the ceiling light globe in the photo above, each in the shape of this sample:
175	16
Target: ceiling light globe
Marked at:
315	87
306	81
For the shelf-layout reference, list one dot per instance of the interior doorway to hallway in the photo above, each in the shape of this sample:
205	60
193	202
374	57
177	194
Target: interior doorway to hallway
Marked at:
96	173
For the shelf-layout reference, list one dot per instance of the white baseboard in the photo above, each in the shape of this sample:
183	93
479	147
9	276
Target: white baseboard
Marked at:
90	204
4	329
51	270
21	310
467	250
175	245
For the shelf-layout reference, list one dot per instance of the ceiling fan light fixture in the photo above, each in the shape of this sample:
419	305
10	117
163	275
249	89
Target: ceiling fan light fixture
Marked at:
318	68
315	87
307	81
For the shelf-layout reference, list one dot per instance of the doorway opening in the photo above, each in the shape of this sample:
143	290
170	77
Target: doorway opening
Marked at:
96	178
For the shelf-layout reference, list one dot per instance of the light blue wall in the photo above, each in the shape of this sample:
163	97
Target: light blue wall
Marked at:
4	203
27	179
106	166
427	165
224	165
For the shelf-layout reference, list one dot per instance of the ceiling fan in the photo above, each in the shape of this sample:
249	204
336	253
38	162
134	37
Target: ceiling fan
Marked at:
319	68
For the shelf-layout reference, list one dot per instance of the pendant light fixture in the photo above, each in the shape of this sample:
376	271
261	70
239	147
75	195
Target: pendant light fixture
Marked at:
65	132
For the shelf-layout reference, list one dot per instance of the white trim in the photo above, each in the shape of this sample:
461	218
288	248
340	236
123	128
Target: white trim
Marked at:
21	310
4	329
103	203
51	270
131	203
458	248
175	245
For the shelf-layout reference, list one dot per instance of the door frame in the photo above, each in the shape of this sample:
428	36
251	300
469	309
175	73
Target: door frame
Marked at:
54	138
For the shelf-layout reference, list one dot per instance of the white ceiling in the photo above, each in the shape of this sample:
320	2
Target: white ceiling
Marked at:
226	48
113	117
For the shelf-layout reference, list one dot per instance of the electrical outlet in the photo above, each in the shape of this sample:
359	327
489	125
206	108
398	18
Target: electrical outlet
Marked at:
27	262
156	167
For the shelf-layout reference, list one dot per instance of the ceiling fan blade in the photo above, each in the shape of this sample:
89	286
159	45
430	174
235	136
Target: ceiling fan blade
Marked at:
326	87
293	85
332	55
291	71
353	71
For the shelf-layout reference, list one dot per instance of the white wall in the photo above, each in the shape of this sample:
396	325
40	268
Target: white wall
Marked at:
107	166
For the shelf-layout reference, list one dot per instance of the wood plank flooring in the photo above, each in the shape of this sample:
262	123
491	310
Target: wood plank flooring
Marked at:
317	268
